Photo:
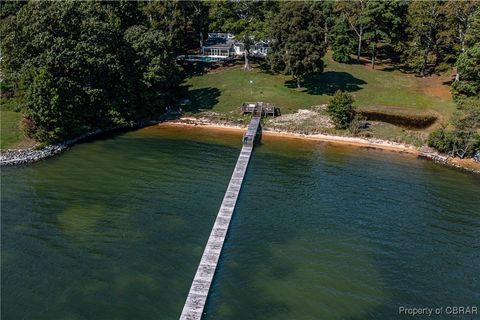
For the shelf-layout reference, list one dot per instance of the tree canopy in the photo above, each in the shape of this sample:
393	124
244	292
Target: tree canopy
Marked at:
298	39
83	66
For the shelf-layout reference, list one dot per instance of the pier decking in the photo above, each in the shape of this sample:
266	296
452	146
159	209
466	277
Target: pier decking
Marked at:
197	296
265	109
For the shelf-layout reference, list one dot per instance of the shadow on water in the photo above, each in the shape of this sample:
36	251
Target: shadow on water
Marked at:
328	83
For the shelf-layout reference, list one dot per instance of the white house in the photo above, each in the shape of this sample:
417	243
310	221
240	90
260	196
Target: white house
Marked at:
224	45
218	45
259	49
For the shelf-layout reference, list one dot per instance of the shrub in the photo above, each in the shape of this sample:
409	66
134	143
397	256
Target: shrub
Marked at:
464	139
441	140
357	124
341	109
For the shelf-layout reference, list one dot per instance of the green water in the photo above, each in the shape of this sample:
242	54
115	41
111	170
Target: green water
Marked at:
114	229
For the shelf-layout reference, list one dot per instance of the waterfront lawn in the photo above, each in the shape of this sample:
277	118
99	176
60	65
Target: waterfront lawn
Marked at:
225	90
11	133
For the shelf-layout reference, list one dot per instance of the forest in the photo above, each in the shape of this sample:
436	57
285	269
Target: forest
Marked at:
75	66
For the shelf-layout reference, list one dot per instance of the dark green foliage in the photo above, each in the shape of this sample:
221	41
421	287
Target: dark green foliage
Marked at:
383	21
353	13
153	62
441	140
341	109
78	70
8	8
463	140
329	22
298	39
343	43
74	66
123	13
472	34
468	65
459	28
426	22
44	105
183	23
438	33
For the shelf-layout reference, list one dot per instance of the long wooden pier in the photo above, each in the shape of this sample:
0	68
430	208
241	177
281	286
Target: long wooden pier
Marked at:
197	296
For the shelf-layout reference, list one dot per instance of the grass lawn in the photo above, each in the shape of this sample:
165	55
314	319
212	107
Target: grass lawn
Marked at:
227	89
384	90
10	131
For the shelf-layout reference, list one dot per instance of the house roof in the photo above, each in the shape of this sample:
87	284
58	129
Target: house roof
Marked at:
218	43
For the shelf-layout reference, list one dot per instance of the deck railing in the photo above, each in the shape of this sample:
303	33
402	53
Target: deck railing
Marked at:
260	109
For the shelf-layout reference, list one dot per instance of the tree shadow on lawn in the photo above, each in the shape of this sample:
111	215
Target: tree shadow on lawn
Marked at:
328	83
203	98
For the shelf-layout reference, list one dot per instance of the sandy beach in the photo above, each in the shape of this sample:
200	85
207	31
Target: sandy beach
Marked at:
467	164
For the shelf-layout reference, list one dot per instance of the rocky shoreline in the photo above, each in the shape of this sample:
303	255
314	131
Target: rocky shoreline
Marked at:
447	161
13	157
16	157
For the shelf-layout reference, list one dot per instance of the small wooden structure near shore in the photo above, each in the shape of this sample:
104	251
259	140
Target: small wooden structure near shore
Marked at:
266	109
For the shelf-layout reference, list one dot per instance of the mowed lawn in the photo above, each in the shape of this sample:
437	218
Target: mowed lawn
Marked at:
227	89
11	133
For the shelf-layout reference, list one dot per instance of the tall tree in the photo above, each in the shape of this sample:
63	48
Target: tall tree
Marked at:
381	19
354	12
180	21
426	21
468	63
329	20
157	75
459	15
200	19
67	55
80	69
298	39
343	43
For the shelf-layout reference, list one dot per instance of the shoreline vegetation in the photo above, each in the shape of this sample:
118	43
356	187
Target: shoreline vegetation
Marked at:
358	70
16	157
360	142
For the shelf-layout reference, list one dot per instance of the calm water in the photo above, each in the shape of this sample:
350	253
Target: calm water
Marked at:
114	229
